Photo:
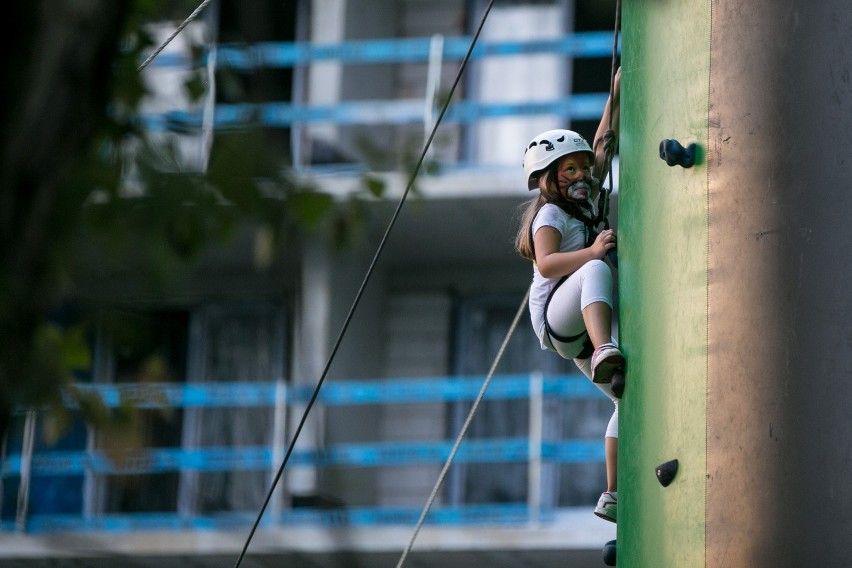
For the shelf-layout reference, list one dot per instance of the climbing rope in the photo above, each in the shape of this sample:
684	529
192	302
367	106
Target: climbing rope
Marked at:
363	286
603	215
463	430
609	142
609	139
174	35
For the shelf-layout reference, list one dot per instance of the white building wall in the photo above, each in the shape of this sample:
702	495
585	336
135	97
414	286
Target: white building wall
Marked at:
311	331
327	25
521	79
418	328
330	283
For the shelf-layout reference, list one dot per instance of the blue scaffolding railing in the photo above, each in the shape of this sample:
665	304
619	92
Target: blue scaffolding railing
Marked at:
249	58
398	50
52	464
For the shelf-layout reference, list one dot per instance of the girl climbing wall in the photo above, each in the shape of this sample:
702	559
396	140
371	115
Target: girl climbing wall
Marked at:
571	297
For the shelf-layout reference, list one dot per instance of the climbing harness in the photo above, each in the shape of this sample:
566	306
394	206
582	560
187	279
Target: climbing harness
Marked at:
577	212
587	349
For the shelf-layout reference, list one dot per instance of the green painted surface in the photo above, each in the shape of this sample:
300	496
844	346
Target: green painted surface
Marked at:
663	241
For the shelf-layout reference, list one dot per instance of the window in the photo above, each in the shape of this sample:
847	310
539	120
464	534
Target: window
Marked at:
140	347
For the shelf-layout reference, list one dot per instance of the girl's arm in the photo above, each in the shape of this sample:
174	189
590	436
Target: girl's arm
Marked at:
602	141
554	264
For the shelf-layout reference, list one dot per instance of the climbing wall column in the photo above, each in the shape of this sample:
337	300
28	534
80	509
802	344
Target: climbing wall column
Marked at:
779	432
734	276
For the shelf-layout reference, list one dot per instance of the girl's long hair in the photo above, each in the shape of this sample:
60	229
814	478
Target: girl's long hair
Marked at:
524	239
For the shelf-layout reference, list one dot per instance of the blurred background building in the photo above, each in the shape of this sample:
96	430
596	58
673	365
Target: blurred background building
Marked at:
349	90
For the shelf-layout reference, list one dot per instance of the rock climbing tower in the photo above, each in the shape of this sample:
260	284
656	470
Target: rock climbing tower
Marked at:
736	283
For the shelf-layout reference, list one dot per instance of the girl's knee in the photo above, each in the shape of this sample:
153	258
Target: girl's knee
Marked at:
597	271
597	266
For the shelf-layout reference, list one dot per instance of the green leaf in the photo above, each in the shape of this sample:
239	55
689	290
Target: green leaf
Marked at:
311	207
374	185
76	354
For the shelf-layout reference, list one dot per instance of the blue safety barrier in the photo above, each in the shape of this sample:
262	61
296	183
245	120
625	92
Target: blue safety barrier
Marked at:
162	460
344	393
254	394
586	106
47	465
486	514
404	50
181	395
581	106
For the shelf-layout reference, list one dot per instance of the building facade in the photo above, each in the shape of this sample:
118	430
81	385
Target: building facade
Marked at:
351	90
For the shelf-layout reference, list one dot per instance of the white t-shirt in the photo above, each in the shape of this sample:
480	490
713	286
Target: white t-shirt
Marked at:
573	238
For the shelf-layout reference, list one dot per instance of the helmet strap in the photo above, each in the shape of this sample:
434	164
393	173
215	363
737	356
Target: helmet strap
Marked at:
580	210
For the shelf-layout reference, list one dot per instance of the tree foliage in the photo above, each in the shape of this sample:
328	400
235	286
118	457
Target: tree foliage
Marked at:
68	101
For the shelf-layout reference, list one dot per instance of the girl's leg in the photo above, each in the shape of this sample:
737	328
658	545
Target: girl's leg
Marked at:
607	507
611	440
582	303
598	319
611	447
611	452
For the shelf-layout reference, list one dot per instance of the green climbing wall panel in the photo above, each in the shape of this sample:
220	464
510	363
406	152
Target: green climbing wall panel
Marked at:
663	248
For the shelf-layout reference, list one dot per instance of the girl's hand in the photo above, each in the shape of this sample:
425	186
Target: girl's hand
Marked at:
603	243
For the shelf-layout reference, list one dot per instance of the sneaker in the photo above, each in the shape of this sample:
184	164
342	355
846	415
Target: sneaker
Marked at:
605	360
607	506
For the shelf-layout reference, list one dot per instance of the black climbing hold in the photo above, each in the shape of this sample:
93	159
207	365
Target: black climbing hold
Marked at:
674	154
609	553
613	257
666	472
618	382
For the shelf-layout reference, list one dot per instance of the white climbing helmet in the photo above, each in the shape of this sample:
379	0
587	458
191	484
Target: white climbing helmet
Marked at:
549	146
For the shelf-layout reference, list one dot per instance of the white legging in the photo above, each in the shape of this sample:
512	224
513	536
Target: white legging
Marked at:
591	283
585	365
